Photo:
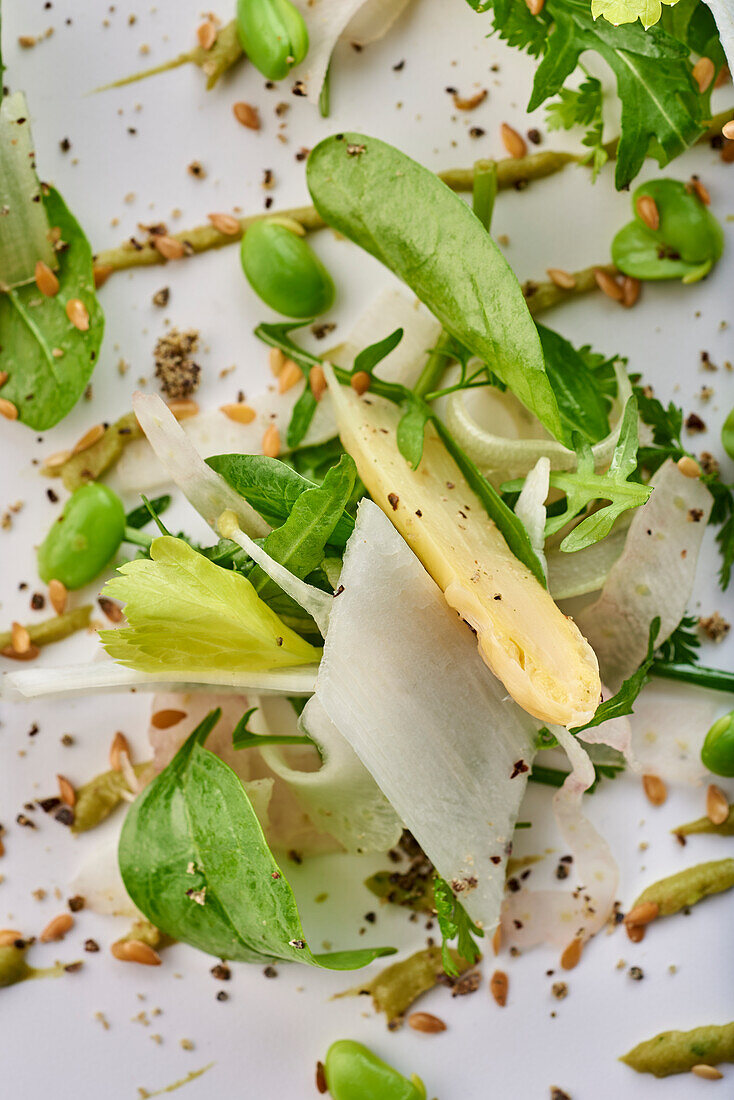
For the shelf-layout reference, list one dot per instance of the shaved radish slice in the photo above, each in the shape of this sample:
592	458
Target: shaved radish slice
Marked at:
558	917
204	489
652	577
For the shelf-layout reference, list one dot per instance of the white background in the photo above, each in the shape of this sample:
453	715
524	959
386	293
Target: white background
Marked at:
265	1040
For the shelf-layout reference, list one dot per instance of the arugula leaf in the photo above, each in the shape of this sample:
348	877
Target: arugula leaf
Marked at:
454	923
681	647
41	383
150	509
662	112
272	488
402	214
667	426
194	860
186	613
582	406
622	703
300	543
583	485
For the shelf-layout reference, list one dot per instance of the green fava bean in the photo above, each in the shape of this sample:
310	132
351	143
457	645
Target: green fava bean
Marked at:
686	244
84	537
717	753
285	272
273	34
353	1072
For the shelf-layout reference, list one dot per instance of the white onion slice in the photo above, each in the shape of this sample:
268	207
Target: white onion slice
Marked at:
513	455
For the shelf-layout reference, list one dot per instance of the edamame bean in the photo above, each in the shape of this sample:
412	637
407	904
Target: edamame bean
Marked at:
686	243
285	272
717	753
353	1072
84	537
273	34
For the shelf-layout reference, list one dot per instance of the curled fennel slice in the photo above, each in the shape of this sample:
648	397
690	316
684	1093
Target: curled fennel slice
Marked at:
538	654
514	453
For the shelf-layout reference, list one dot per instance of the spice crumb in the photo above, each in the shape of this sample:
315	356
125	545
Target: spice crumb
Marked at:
174	368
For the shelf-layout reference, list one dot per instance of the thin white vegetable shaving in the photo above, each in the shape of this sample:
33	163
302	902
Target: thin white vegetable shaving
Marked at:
330	20
340	795
669	725
69	680
513	452
653	576
530	917
530	507
402	681
206	490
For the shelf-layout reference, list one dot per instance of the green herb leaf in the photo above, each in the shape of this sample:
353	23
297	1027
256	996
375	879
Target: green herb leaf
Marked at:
404	215
187	614
300	543
662	113
454	924
45	386
581	402
727	435
194	860
681	647
372	355
622	703
142	515
582	106
411	431
272	488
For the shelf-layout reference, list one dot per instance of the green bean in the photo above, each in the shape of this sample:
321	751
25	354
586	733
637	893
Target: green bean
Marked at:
282	268
396	987
53	630
705	825
688	887
90	464
96	800
717	752
685	244
353	1072
679	1051
273	34
84	538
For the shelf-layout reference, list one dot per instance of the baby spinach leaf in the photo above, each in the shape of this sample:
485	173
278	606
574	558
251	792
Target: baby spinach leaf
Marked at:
272	488
47	359
24	227
194	860
300	542
404	215
454	923
580	401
